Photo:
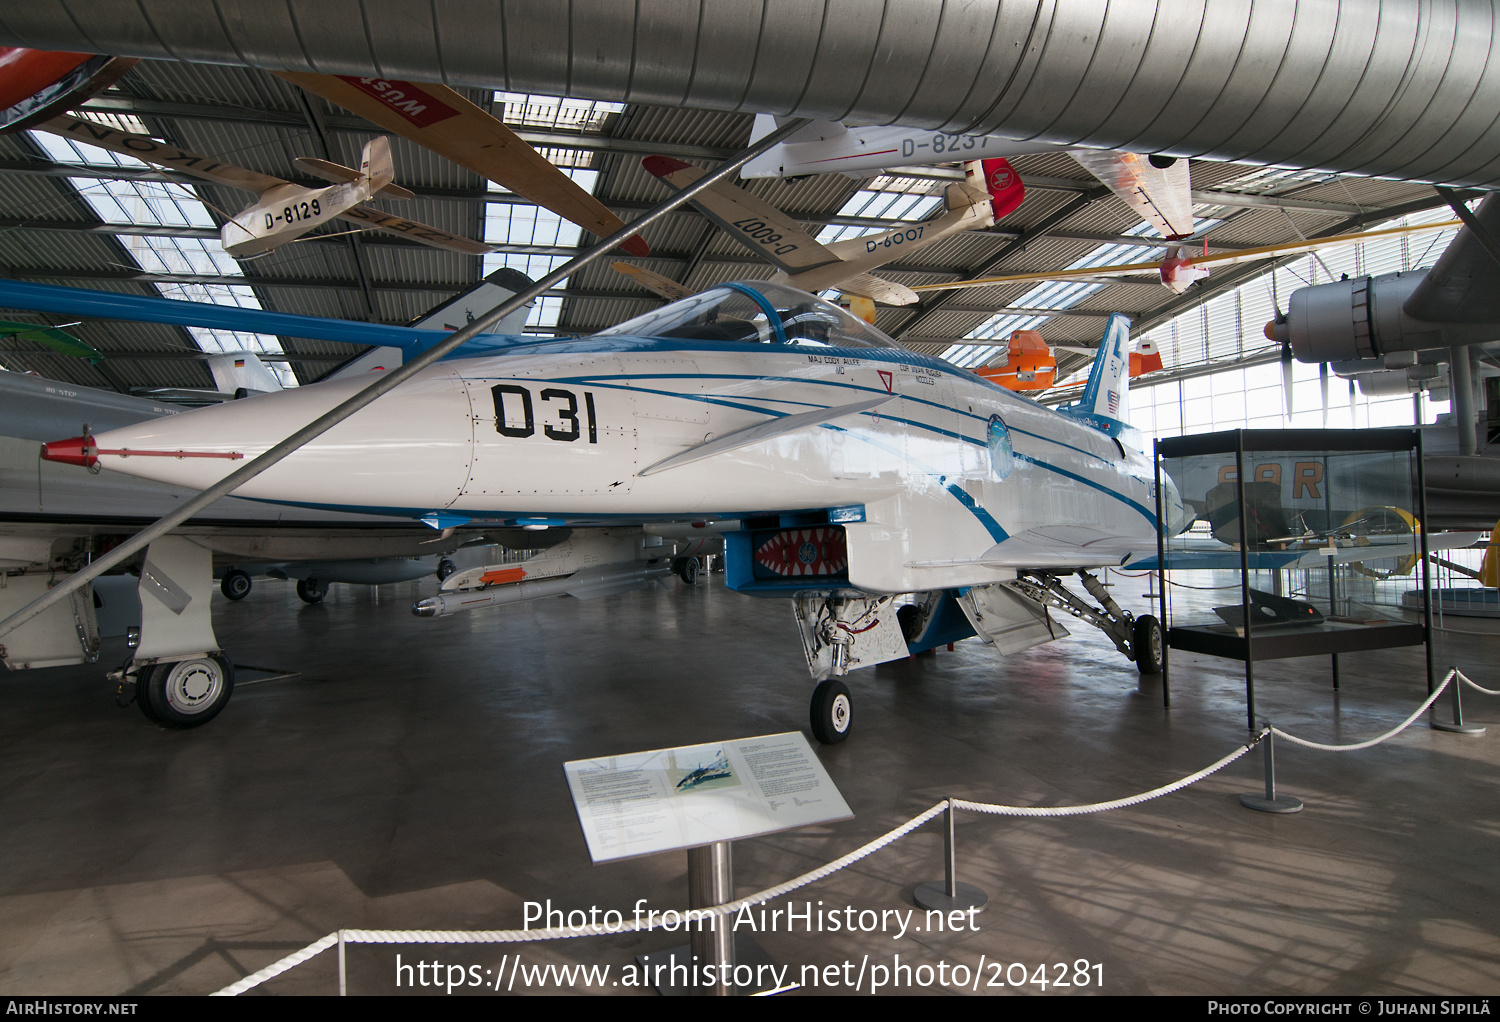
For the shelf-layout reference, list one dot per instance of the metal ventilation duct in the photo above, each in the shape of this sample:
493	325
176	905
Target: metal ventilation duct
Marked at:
1394	88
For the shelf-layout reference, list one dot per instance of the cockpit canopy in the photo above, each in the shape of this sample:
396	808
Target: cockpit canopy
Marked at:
756	312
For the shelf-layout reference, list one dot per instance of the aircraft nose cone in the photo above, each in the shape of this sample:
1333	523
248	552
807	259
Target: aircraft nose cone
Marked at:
80	450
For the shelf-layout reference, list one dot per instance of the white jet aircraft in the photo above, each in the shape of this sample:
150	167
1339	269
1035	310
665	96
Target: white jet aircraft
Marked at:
899	501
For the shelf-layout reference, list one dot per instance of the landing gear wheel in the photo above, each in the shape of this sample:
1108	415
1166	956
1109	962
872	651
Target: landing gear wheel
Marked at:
311	590
140	697
236	584
832	712
687	570
445	568
1148	645
186	693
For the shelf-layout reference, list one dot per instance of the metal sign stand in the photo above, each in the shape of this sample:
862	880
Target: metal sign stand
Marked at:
682	969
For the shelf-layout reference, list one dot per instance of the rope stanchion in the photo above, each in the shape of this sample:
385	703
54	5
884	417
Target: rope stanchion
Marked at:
1271	801
1458	726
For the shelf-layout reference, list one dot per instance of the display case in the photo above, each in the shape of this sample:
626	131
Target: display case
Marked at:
1272	543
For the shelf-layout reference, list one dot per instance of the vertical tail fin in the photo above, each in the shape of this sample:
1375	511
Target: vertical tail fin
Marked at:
1106	397
234	371
1000	180
375	163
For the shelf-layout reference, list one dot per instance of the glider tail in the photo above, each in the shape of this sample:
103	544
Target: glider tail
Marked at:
375	164
1000	180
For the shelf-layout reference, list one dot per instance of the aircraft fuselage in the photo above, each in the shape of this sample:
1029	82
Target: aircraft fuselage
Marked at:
932	493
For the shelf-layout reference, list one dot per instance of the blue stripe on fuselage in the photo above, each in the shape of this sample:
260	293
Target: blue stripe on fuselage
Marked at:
742	404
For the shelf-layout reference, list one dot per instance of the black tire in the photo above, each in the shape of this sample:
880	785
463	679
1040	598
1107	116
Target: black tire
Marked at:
141	700
832	712
1148	644
186	693
235	584
687	570
310	590
445	568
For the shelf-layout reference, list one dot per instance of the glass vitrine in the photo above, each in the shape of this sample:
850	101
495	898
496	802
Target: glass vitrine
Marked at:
1291	543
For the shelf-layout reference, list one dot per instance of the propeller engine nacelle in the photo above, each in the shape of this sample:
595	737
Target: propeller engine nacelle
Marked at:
1364	317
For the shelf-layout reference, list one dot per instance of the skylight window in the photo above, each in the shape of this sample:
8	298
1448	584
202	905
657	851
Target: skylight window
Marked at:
1265	180
164	204
554	112
506	224
886	198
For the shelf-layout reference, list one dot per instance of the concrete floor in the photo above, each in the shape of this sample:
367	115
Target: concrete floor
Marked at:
411	777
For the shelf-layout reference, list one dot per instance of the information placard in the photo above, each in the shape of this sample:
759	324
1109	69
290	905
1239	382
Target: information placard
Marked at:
656	801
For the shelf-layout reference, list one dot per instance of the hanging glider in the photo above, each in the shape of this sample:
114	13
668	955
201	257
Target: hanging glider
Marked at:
1029	364
1156	187
990	191
284	211
440	119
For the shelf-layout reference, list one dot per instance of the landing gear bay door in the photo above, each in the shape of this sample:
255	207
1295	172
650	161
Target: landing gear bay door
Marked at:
1007	619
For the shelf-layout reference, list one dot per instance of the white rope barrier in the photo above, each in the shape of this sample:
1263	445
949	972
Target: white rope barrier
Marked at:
1454	675
1101	807
1475	686
656	919
292	960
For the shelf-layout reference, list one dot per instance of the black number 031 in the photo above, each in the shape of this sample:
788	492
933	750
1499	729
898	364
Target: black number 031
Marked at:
564	403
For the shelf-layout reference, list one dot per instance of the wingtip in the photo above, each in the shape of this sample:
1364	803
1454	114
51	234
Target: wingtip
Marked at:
636	246
661	166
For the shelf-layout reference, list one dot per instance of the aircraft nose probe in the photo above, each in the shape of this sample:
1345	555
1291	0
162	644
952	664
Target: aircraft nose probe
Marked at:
81	451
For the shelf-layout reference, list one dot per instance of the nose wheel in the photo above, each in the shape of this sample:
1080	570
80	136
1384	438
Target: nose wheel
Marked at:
236	584
832	712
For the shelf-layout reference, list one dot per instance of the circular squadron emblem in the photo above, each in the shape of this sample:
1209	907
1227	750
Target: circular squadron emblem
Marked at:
1002	455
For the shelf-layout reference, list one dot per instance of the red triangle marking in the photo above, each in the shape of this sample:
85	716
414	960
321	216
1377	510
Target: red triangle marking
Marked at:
887	379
